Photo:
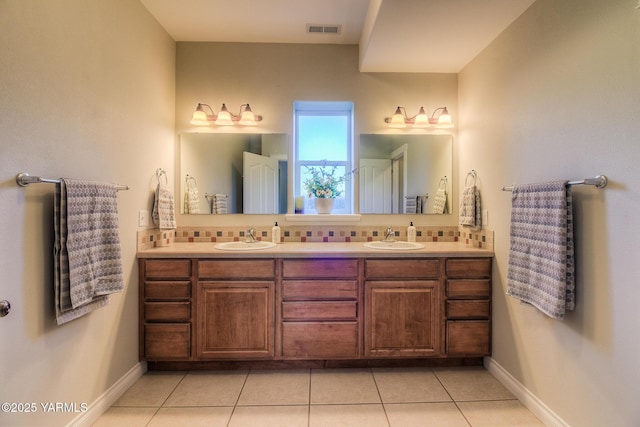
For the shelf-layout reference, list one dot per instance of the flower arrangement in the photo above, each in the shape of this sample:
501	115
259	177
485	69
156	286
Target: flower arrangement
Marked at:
323	183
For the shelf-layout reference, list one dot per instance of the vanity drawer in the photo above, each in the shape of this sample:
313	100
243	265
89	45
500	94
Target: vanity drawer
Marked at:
167	341
320	310
467	309
468	338
319	289
470	288
468	267
401	269
320	340
164	269
319	268
237	269
167	290
167	311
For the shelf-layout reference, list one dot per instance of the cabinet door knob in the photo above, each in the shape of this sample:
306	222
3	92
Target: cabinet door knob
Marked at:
5	308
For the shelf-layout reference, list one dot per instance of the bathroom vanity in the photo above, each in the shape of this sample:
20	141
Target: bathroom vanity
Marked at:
326	303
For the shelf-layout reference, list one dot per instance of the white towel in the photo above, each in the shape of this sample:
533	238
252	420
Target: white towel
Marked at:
87	259
440	201
541	260
191	197
470	208
163	208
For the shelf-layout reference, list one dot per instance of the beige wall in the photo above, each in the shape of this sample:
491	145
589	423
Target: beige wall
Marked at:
272	76
86	91
557	96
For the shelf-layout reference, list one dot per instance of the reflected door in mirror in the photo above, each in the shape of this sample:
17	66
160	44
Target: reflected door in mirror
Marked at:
260	184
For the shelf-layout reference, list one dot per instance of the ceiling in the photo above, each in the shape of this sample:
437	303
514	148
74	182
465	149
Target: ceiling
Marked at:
434	36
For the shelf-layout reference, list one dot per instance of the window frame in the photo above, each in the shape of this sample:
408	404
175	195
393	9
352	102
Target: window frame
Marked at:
325	108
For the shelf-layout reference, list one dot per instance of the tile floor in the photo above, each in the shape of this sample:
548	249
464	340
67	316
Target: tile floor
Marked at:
393	397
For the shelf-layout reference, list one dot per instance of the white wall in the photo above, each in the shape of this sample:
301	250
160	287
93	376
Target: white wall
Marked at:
557	96
272	76
86	91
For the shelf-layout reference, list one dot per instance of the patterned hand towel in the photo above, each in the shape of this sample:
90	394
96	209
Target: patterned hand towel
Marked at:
440	201
541	262
470	208
221	203
163	208
410	204
88	265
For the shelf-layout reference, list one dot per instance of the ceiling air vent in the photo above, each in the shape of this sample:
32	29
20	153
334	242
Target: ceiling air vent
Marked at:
328	29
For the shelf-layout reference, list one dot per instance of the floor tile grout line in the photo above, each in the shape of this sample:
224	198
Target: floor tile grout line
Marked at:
451	397
167	398
174	389
235	405
384	409
153	416
309	401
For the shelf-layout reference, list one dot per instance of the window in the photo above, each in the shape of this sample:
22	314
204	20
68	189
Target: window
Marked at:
323	138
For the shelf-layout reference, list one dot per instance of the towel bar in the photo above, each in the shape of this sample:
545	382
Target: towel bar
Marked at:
599	181
24	179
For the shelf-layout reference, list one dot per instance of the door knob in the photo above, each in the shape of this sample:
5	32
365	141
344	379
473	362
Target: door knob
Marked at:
5	308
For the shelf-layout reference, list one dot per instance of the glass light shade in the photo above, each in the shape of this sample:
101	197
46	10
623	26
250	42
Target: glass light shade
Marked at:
199	118
247	118
421	120
224	117
397	120
444	121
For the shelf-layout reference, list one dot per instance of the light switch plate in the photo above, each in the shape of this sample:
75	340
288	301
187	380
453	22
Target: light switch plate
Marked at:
143	218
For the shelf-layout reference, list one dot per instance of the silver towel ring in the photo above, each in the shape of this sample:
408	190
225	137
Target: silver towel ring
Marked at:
189	179
159	173
473	174
443	183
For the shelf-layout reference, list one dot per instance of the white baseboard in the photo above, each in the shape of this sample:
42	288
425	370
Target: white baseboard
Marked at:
528	399
109	397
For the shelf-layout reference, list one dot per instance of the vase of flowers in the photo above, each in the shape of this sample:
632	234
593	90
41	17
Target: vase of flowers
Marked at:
324	186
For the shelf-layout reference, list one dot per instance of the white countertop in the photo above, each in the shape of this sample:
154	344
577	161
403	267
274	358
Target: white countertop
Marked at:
316	250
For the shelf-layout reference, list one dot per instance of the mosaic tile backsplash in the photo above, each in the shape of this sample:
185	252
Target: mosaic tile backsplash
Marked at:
153	238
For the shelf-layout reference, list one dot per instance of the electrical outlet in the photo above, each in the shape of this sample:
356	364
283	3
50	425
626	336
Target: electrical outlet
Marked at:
143	218
485	217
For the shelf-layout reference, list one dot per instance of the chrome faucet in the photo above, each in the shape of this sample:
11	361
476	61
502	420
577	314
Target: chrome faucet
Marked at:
388	233
250	236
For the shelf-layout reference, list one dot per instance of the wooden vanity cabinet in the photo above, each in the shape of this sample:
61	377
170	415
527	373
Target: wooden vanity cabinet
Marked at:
468	307
319	309
297	309
402	308
166	309
235	312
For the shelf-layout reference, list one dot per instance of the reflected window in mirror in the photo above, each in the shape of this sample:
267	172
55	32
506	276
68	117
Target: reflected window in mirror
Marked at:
323	147
405	174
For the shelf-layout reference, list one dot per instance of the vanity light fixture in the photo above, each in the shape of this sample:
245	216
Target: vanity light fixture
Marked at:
224	118
420	120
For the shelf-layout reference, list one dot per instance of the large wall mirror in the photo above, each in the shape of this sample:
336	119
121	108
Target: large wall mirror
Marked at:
233	173
405	174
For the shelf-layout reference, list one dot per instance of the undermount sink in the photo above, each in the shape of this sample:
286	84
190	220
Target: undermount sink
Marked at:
396	245
244	246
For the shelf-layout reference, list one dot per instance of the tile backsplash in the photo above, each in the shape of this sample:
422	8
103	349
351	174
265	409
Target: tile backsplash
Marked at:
153	238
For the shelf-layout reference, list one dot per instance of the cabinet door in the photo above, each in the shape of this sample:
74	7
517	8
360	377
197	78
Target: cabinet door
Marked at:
235	320
402	319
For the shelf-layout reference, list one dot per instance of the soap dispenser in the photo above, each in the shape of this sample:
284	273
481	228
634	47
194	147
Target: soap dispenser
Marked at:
411	233
275	233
